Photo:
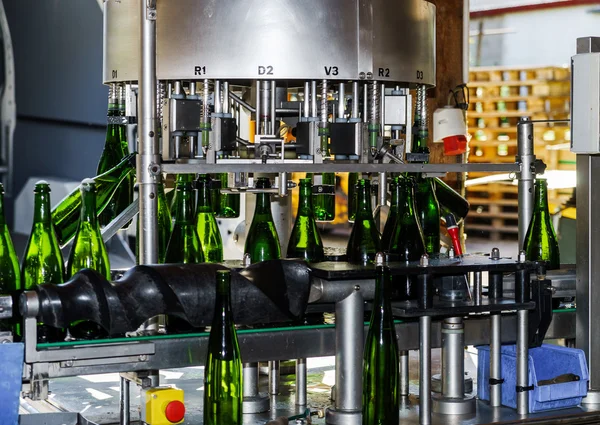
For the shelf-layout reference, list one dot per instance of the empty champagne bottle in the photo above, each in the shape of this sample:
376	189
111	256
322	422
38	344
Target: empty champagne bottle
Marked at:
407	238
229	203
184	245
324	196
88	252
262	241
352	180
65	216
450	201
112	154
364	240
428	213
173	194
390	223
10	275
164	226
43	261
541	243
206	224
305	241
380	370
419	143
223	373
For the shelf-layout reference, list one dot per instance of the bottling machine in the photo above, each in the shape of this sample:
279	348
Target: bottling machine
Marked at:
197	73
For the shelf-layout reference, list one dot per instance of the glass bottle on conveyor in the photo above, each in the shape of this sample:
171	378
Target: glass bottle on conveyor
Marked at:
206	223
43	260
164	226
223	390
262	241
428	213
88	252
305	241
364	240
10	275
541	243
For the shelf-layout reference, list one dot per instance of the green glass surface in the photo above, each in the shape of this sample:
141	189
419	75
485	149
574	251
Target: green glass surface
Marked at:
184	245
10	275
172	195
115	149
419	142
541	243
164	226
324	196
390	223
262	241
88	252
305	241
43	260
206	223
352	180
450	201
428	214
223	371
65	216
380	368
407	238
364	240
229	203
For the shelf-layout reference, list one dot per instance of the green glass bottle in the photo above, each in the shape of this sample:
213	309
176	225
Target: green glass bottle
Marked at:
88	252
43	261
352	180
125	190
184	245
10	275
112	154
380	370
390	223
428	213
419	142
223	371
450	201
364	240
206	223
541	243
324	196
164	226
65	216
215	193
305	241
262	241
229	203
173	194
407	238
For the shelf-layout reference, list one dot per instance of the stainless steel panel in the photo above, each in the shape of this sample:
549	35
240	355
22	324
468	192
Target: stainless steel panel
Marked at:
121	50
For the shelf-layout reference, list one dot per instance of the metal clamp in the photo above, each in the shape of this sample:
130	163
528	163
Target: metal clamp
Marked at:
524	389
6	307
493	381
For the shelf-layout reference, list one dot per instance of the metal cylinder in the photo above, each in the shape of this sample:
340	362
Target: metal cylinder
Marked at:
306	102
283	181
349	355
477	287
495	289
313	99
453	365
404	377
495	360
425	370
124	402
365	115
250	382
301	382
274	377
522	286
226	97
381	107
355	103
273	110
522	362
341	100
382	189
526	157
265	93
205	102
258	106
218	100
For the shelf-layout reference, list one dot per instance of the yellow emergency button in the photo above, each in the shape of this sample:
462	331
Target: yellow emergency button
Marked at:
163	406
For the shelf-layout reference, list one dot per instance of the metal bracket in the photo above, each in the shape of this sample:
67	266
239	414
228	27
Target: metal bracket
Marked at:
151	10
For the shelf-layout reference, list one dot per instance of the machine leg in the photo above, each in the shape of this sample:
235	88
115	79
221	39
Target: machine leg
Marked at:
425	370
495	360
124	402
348	361
254	402
274	367
522	362
404	377
301	382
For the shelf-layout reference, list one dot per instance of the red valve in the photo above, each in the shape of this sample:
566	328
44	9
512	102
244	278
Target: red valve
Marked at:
175	411
452	229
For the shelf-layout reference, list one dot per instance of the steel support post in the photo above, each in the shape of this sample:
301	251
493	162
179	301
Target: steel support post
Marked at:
526	158
124	402
254	401
425	370
349	336
301	382
404	374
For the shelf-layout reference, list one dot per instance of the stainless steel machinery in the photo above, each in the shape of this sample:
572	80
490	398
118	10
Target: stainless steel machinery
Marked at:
213	86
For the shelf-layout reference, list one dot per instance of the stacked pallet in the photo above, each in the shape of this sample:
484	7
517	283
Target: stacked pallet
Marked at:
499	97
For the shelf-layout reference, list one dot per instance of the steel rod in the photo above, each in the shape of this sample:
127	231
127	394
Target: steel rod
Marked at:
274	377
124	402
495	360
225	97
525	155
313	99
273	111
522	362
404	374
217	100
341	101
240	101
250	381
477	287
355	103
453	365
425	370
258	106
301	370
306	102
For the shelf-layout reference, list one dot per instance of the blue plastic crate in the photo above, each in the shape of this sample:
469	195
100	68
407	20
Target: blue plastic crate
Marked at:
545	362
11	371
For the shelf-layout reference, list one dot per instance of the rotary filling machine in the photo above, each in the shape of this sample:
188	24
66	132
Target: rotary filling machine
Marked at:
196	72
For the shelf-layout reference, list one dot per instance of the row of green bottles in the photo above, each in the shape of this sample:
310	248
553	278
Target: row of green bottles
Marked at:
115	149
10	276
184	245
541	243
262	241
364	240
305	240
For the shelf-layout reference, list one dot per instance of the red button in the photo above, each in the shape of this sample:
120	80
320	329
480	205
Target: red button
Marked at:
175	411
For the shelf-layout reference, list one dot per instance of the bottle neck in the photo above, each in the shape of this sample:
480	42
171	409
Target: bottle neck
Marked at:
88	207
305	205
407	199
2	217
184	213
541	196
223	295
382	289
204	198
363	199
41	208
263	203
